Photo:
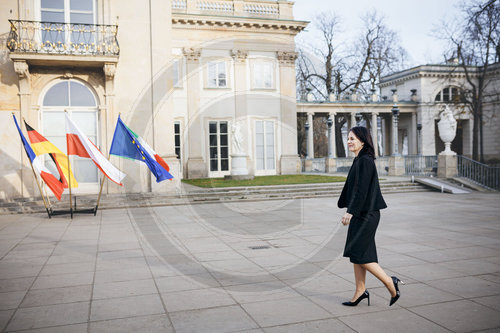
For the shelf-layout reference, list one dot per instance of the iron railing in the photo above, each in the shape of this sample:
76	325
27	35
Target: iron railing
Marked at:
479	173
418	165
62	38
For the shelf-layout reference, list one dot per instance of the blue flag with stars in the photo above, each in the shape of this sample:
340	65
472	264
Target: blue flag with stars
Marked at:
128	145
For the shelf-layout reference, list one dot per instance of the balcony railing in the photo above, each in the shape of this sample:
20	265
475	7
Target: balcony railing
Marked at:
250	8
62	38
479	173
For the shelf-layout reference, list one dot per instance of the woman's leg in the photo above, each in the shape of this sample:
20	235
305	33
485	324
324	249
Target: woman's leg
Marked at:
379	273
360	277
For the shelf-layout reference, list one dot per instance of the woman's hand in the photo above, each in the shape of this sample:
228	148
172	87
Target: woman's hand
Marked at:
346	219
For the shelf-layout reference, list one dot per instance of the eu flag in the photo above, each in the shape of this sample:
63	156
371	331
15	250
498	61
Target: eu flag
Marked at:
129	145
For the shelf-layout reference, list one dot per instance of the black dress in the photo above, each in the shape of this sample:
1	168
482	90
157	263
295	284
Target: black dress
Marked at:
363	199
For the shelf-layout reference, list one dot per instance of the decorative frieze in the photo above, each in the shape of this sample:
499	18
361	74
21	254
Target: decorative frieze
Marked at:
253	25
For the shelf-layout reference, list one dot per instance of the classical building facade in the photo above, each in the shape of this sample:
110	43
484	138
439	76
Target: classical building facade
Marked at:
419	95
201	81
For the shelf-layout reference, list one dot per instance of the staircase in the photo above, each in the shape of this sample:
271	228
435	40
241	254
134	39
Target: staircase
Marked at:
200	196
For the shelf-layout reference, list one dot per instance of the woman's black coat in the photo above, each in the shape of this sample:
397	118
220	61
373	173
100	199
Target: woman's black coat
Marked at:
361	192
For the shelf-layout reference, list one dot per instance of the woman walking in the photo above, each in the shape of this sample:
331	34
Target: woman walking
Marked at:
362	197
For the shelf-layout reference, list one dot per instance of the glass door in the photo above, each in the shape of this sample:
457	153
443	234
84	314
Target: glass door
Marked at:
218	148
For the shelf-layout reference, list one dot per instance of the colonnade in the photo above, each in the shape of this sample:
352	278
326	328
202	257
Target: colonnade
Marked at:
388	130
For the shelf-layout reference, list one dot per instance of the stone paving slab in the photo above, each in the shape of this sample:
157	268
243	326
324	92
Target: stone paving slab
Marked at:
251	267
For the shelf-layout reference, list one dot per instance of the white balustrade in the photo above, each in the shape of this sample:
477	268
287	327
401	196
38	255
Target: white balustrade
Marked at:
261	9
179	4
215	6
227	7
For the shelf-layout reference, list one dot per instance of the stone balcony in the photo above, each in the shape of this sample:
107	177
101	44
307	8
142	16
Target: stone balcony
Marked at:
55	43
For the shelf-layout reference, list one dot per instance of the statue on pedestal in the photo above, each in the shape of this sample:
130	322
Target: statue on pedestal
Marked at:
447	126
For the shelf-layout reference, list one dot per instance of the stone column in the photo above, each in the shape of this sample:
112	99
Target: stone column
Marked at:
195	167
375	132
108	112
26	174
413	135
289	159
332	142
163	111
332	151
310	136
352	123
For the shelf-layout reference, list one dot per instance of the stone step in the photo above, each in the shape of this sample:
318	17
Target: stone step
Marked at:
234	194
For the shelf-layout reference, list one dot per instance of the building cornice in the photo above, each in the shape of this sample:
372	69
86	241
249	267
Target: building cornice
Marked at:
435	71
213	22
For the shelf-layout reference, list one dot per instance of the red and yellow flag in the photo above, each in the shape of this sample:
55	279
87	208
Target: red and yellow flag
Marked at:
42	146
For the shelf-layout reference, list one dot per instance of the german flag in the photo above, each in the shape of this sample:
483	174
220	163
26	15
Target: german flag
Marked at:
42	146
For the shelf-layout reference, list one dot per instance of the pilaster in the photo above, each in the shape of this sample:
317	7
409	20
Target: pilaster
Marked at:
22	69
289	159
196	167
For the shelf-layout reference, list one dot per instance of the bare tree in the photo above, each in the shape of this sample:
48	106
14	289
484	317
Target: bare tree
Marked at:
475	41
336	68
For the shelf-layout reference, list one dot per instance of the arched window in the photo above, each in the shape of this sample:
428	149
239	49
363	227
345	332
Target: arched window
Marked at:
79	101
449	95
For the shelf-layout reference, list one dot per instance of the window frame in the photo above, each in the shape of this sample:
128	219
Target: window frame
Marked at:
267	170
253	72
217	74
83	187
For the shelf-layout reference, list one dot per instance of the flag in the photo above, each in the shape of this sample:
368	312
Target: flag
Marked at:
127	144
42	146
80	145
52	182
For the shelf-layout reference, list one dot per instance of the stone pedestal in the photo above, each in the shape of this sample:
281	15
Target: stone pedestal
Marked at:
290	165
331	165
168	185
239	165
308	165
447	166
396	166
196	168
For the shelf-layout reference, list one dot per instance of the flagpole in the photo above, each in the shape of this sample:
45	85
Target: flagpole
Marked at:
48	199
69	175
102	184
99	197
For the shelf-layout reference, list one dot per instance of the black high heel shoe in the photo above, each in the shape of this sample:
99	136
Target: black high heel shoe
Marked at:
366	294
395	280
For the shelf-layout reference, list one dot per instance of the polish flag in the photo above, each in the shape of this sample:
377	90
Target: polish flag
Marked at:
80	145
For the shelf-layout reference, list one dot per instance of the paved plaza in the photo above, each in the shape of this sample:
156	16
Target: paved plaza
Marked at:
268	266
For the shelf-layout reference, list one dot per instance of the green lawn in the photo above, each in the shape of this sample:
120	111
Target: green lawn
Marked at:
264	180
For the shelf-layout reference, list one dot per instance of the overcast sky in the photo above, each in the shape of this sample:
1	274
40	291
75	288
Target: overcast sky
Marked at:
413	20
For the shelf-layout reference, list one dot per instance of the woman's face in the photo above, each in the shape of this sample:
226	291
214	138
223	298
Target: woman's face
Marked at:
354	144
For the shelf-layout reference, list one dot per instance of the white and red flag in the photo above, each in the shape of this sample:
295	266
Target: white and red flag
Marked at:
80	145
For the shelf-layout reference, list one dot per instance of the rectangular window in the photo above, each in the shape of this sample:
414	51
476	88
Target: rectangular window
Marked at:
177	138
446	94
264	145
262	73
217	74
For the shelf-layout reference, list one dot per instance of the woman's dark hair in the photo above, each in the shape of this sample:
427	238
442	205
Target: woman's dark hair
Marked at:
363	134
